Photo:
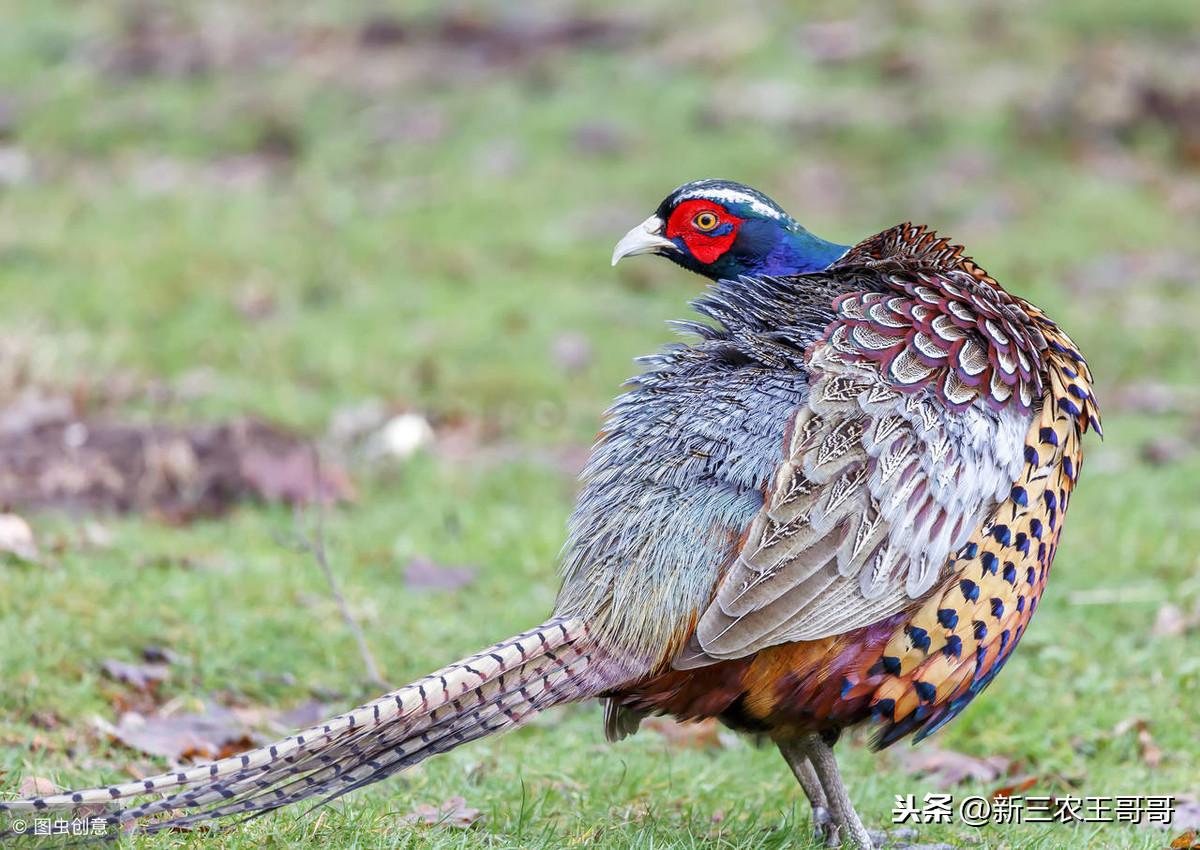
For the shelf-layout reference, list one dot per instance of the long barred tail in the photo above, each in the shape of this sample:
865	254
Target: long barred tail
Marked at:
491	691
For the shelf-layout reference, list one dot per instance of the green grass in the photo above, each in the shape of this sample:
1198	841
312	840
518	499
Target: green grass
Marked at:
437	271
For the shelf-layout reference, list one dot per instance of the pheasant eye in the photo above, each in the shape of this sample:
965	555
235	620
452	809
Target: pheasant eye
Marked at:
705	221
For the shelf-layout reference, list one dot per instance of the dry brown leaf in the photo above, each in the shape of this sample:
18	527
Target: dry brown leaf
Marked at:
36	786
1015	787
155	654
143	677
1186	841
1187	813
947	768
1149	750
1152	753
453	812
184	737
45	720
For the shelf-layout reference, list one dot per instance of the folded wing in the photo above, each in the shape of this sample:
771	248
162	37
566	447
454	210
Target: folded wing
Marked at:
921	397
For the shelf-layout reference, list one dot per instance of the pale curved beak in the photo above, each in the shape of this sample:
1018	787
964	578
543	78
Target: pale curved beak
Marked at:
646	238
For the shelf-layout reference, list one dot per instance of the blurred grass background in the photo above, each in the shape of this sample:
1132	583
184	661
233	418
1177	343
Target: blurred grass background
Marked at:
283	210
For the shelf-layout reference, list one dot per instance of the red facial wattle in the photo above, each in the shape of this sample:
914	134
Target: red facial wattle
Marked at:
705	247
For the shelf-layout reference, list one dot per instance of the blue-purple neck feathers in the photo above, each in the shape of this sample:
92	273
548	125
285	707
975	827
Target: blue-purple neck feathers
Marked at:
767	247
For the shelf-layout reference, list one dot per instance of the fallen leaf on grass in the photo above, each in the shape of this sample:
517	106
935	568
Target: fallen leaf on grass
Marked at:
16	538
1148	748
454	812
1185	816
947	768
143	677
1187	812
1152	753
425	574
45	720
183	737
155	654
1013	788
53	735
36	786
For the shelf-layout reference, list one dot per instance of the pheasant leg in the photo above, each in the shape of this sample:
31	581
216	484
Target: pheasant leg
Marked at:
841	809
795	753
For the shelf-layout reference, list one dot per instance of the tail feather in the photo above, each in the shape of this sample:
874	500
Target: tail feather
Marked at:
355	766
490	691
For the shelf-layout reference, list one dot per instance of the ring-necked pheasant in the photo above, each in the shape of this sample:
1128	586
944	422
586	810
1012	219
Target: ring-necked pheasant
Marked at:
838	504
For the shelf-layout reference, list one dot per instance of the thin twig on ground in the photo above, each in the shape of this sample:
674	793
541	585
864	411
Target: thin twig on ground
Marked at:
315	545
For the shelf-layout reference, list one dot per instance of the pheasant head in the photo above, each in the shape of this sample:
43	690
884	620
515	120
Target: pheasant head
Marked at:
722	230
